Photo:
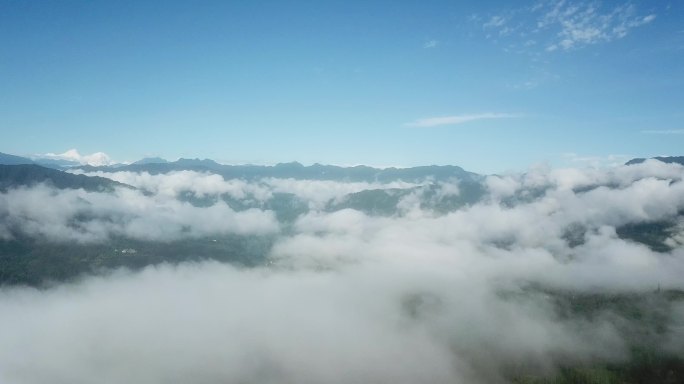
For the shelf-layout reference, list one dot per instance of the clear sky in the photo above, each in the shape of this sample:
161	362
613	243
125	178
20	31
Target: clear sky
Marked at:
487	85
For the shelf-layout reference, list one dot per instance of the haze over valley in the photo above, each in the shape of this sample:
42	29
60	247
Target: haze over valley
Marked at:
177	271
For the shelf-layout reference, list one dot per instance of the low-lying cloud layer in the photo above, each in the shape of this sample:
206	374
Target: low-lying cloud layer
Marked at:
211	323
316	193
418	296
77	215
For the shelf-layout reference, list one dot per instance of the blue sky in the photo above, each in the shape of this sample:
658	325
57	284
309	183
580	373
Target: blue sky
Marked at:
487	85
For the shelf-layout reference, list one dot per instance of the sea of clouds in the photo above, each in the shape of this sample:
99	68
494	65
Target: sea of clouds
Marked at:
418	296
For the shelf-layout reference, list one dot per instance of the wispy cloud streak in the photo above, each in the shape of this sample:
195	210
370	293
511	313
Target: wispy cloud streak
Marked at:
431	44
567	25
458	119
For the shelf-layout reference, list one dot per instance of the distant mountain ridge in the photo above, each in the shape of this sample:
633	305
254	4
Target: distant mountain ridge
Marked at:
296	170
7	159
61	164
664	159
12	176
151	160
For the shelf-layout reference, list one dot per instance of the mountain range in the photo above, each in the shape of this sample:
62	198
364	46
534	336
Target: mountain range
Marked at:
26	175
295	170
664	159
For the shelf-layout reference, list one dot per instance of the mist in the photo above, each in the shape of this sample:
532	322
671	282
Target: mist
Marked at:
78	215
470	295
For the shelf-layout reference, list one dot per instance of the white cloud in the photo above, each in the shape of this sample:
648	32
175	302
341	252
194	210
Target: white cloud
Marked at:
584	24
501	24
431	44
211	323
458	119
494	22
316	193
81	216
96	159
568	25
201	184
319	192
422	297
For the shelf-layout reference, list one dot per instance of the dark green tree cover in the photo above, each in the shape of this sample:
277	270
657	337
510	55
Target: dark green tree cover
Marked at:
26	260
652	234
385	202
644	321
